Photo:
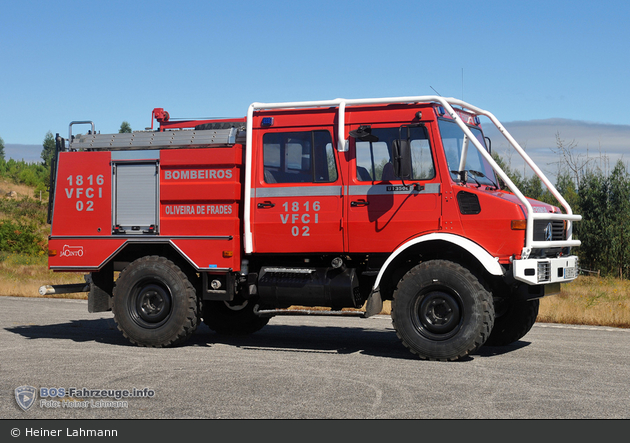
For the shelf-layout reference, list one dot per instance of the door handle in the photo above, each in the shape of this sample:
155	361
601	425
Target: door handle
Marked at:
359	203
264	205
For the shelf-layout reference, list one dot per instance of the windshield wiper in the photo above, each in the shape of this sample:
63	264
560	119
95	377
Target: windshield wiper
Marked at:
465	174
494	186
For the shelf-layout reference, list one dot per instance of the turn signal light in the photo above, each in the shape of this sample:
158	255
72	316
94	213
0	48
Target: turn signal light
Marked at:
519	225
52	252
228	254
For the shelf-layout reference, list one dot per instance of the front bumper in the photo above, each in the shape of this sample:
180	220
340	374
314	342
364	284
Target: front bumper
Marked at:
541	271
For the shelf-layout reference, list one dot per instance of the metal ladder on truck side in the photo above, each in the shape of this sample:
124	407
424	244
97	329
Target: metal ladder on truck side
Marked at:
180	139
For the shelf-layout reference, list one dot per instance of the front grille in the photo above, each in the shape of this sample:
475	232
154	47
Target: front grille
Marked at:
544	271
544	228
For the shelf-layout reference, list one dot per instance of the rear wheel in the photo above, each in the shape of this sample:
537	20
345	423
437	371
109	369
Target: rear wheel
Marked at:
514	320
232	318
154	303
441	311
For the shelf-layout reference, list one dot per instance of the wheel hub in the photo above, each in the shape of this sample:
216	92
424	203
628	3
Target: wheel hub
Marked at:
439	314
153	304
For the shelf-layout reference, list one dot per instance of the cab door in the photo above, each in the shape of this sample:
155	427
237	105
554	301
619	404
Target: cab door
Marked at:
384	211
296	192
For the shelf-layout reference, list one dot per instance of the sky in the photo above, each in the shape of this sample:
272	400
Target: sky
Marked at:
115	61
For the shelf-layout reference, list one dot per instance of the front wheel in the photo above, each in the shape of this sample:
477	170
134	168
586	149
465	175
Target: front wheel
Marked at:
514	320
441	311
154	303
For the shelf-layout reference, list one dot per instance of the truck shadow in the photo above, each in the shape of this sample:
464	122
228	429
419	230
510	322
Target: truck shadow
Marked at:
101	330
332	339
273	338
312	339
284	338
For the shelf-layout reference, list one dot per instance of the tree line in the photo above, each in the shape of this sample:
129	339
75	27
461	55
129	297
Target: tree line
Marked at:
597	192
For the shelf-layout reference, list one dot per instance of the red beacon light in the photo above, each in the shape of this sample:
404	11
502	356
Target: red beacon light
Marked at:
160	115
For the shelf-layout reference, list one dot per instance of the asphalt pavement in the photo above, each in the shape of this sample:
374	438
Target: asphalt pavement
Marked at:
303	367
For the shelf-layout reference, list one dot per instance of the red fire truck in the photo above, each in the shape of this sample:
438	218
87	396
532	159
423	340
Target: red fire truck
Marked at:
329	204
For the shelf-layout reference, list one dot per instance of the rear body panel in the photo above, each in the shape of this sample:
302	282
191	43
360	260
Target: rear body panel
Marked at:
188	199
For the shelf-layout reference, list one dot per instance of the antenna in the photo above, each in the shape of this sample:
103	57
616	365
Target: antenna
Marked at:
462	84
435	91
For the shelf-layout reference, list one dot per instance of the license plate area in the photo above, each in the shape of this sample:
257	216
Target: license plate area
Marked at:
570	273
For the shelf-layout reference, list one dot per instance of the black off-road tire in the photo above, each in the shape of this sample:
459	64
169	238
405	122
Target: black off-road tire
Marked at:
155	305
441	311
516	319
232	318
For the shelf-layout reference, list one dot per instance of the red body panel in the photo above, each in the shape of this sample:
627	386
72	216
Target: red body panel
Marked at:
298	223
83	194
81	253
200	191
199	206
200	195
296	217
385	211
491	228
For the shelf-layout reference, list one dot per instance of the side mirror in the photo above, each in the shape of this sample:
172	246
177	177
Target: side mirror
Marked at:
364	133
402	158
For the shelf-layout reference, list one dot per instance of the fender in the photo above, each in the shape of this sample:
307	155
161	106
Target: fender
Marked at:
490	263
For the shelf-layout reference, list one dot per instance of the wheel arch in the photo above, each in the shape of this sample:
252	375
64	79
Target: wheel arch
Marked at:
133	250
434	246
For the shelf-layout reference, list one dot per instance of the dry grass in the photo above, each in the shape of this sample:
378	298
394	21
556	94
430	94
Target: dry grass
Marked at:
21	190
589	301
22	276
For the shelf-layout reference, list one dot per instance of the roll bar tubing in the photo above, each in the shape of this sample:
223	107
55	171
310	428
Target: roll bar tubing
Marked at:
447	103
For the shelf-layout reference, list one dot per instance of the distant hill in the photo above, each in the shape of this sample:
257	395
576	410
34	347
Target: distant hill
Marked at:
28	153
538	134
604	142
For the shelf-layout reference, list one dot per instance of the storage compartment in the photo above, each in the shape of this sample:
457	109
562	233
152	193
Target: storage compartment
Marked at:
135	198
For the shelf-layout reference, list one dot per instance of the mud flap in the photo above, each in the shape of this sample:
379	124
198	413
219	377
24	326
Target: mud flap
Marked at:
374	304
98	300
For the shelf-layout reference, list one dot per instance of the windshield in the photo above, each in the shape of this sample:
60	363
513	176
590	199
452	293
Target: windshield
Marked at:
479	171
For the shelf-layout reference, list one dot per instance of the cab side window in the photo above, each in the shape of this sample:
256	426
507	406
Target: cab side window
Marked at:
299	157
374	158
